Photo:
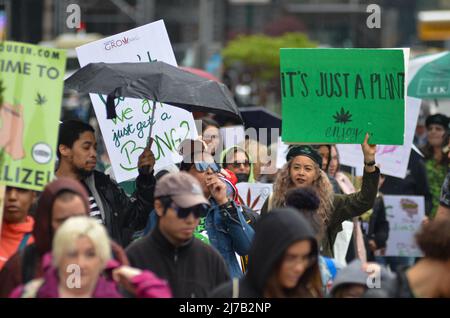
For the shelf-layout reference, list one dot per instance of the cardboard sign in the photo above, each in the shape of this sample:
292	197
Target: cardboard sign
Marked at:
126	136
393	160
337	95
254	195
405	215
32	78
282	150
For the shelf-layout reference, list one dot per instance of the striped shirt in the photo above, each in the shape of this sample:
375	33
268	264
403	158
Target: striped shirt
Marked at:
94	210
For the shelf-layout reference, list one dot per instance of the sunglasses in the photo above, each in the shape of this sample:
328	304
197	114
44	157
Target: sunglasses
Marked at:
199	211
237	165
204	166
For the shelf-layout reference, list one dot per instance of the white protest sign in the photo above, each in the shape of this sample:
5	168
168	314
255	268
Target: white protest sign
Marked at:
126	136
232	136
282	150
405	215
254	195
393	160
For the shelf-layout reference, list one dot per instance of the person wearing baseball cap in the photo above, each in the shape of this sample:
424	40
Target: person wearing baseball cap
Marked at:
224	226
170	250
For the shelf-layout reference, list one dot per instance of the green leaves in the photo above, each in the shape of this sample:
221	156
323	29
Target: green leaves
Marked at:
261	52
343	116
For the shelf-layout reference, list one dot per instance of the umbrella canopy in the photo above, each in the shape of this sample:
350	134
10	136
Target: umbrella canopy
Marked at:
429	76
200	72
157	81
260	117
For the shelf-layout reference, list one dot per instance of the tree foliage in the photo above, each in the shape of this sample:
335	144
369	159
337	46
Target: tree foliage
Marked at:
260	54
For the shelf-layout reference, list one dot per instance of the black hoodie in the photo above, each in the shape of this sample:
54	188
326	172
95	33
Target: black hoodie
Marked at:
275	232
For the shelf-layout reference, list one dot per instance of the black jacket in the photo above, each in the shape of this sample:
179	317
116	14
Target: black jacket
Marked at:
192	270
123	214
274	233
378	225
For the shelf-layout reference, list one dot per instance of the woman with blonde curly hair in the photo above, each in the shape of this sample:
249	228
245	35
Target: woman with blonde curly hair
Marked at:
303	169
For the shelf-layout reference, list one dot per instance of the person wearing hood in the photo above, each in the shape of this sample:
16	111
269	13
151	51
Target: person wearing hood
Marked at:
282	260
81	243
305	201
17	227
355	279
60	200
237	160
303	169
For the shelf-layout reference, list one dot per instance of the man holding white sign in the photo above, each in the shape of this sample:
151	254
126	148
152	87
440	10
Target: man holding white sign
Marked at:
109	204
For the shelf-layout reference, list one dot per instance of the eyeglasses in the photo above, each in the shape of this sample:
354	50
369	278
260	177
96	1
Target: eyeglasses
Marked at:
237	165
199	211
203	166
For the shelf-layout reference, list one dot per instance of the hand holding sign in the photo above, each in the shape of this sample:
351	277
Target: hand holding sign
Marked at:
146	161
369	154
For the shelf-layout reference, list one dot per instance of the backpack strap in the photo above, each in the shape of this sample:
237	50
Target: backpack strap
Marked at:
29	259
24	241
331	267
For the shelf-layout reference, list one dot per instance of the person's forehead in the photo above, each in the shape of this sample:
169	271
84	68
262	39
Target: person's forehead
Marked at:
87	136
436	126
203	156
304	160
74	206
211	129
240	154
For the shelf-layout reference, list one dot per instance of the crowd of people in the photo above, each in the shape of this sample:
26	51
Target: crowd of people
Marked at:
185	233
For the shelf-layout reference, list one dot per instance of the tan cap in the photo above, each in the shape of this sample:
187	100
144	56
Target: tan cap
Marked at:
183	188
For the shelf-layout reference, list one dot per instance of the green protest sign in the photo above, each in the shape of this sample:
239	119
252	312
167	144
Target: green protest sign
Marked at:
32	78
337	95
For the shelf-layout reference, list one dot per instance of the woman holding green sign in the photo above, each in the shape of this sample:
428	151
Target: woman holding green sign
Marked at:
303	169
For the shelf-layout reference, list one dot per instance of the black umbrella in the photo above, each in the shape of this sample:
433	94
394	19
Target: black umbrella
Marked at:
156	81
260	117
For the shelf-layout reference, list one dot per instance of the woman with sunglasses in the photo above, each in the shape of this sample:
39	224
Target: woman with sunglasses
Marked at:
224	225
282	260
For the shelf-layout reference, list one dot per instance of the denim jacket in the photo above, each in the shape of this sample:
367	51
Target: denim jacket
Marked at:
227	231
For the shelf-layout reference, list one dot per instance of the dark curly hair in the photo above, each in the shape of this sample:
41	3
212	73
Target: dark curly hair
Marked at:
306	201
434	239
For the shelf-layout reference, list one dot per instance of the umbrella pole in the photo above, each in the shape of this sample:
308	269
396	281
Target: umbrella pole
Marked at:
149	144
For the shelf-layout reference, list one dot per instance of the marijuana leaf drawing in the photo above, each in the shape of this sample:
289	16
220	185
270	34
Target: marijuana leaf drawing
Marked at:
343	116
249	203
40	99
